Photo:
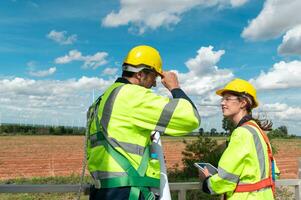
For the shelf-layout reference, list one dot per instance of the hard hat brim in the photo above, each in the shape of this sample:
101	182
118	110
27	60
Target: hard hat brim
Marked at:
130	68
221	91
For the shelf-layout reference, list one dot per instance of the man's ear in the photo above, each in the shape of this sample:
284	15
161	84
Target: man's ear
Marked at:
139	75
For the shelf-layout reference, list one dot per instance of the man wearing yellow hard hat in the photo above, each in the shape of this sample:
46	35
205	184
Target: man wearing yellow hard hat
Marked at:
120	123
247	169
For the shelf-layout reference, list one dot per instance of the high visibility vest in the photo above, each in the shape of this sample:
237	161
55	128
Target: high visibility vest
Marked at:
120	124
245	168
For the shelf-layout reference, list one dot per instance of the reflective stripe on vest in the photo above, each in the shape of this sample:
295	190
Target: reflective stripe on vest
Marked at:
103	174
166	115
107	111
134	148
227	176
224	175
128	147
264	182
260	154
259	151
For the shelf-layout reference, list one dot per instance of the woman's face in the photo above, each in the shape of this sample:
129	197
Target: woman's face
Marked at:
231	105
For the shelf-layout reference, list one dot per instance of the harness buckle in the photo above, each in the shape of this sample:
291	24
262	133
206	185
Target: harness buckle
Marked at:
97	183
151	196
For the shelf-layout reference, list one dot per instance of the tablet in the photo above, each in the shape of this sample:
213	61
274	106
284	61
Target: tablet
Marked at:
212	170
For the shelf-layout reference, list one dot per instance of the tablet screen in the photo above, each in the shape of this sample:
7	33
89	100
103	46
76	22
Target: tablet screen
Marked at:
212	170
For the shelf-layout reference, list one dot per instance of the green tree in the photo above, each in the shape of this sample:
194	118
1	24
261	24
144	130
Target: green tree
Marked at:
278	132
201	131
62	130
283	130
228	125
51	131
213	132
203	149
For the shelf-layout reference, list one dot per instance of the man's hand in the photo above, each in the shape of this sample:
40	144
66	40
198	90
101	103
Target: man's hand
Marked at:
170	80
203	174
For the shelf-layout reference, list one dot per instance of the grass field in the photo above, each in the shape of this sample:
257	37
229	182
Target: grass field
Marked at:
46	156
73	179
25	157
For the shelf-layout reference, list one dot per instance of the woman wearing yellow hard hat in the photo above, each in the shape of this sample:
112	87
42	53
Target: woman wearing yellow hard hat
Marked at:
247	168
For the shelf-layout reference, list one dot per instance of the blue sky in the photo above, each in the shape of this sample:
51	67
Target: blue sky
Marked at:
53	54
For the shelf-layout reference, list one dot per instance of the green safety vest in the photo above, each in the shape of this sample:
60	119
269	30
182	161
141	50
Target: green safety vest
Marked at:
244	162
120	123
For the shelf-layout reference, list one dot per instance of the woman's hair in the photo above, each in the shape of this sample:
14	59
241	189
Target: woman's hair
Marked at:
264	124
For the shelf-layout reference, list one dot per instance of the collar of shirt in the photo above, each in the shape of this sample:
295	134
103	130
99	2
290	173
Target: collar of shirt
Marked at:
244	119
122	80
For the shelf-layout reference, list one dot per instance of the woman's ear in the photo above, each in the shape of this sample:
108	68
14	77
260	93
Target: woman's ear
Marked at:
243	103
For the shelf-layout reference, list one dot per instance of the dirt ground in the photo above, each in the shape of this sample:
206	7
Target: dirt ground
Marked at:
36	156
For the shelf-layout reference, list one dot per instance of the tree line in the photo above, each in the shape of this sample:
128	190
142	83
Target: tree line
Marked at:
227	125
17	129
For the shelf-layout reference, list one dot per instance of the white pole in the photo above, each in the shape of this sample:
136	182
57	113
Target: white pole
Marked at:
93	96
164	186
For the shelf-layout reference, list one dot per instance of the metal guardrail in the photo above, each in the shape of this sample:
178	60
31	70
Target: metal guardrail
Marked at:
43	188
181	188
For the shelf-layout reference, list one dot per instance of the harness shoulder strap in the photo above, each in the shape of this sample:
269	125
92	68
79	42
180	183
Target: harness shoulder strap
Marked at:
135	178
264	183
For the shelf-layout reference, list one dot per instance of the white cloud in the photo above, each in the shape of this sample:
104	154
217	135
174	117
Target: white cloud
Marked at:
74	55
201	81
50	100
152	14
204	75
237	3
110	71
43	73
276	17
90	61
281	76
95	60
43	88
291	43
282	111
205	61
61	37
32	64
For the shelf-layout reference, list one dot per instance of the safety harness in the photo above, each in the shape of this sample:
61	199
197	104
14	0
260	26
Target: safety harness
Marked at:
136	179
264	183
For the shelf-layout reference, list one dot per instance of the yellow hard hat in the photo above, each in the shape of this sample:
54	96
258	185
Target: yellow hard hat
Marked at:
240	86
143	55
